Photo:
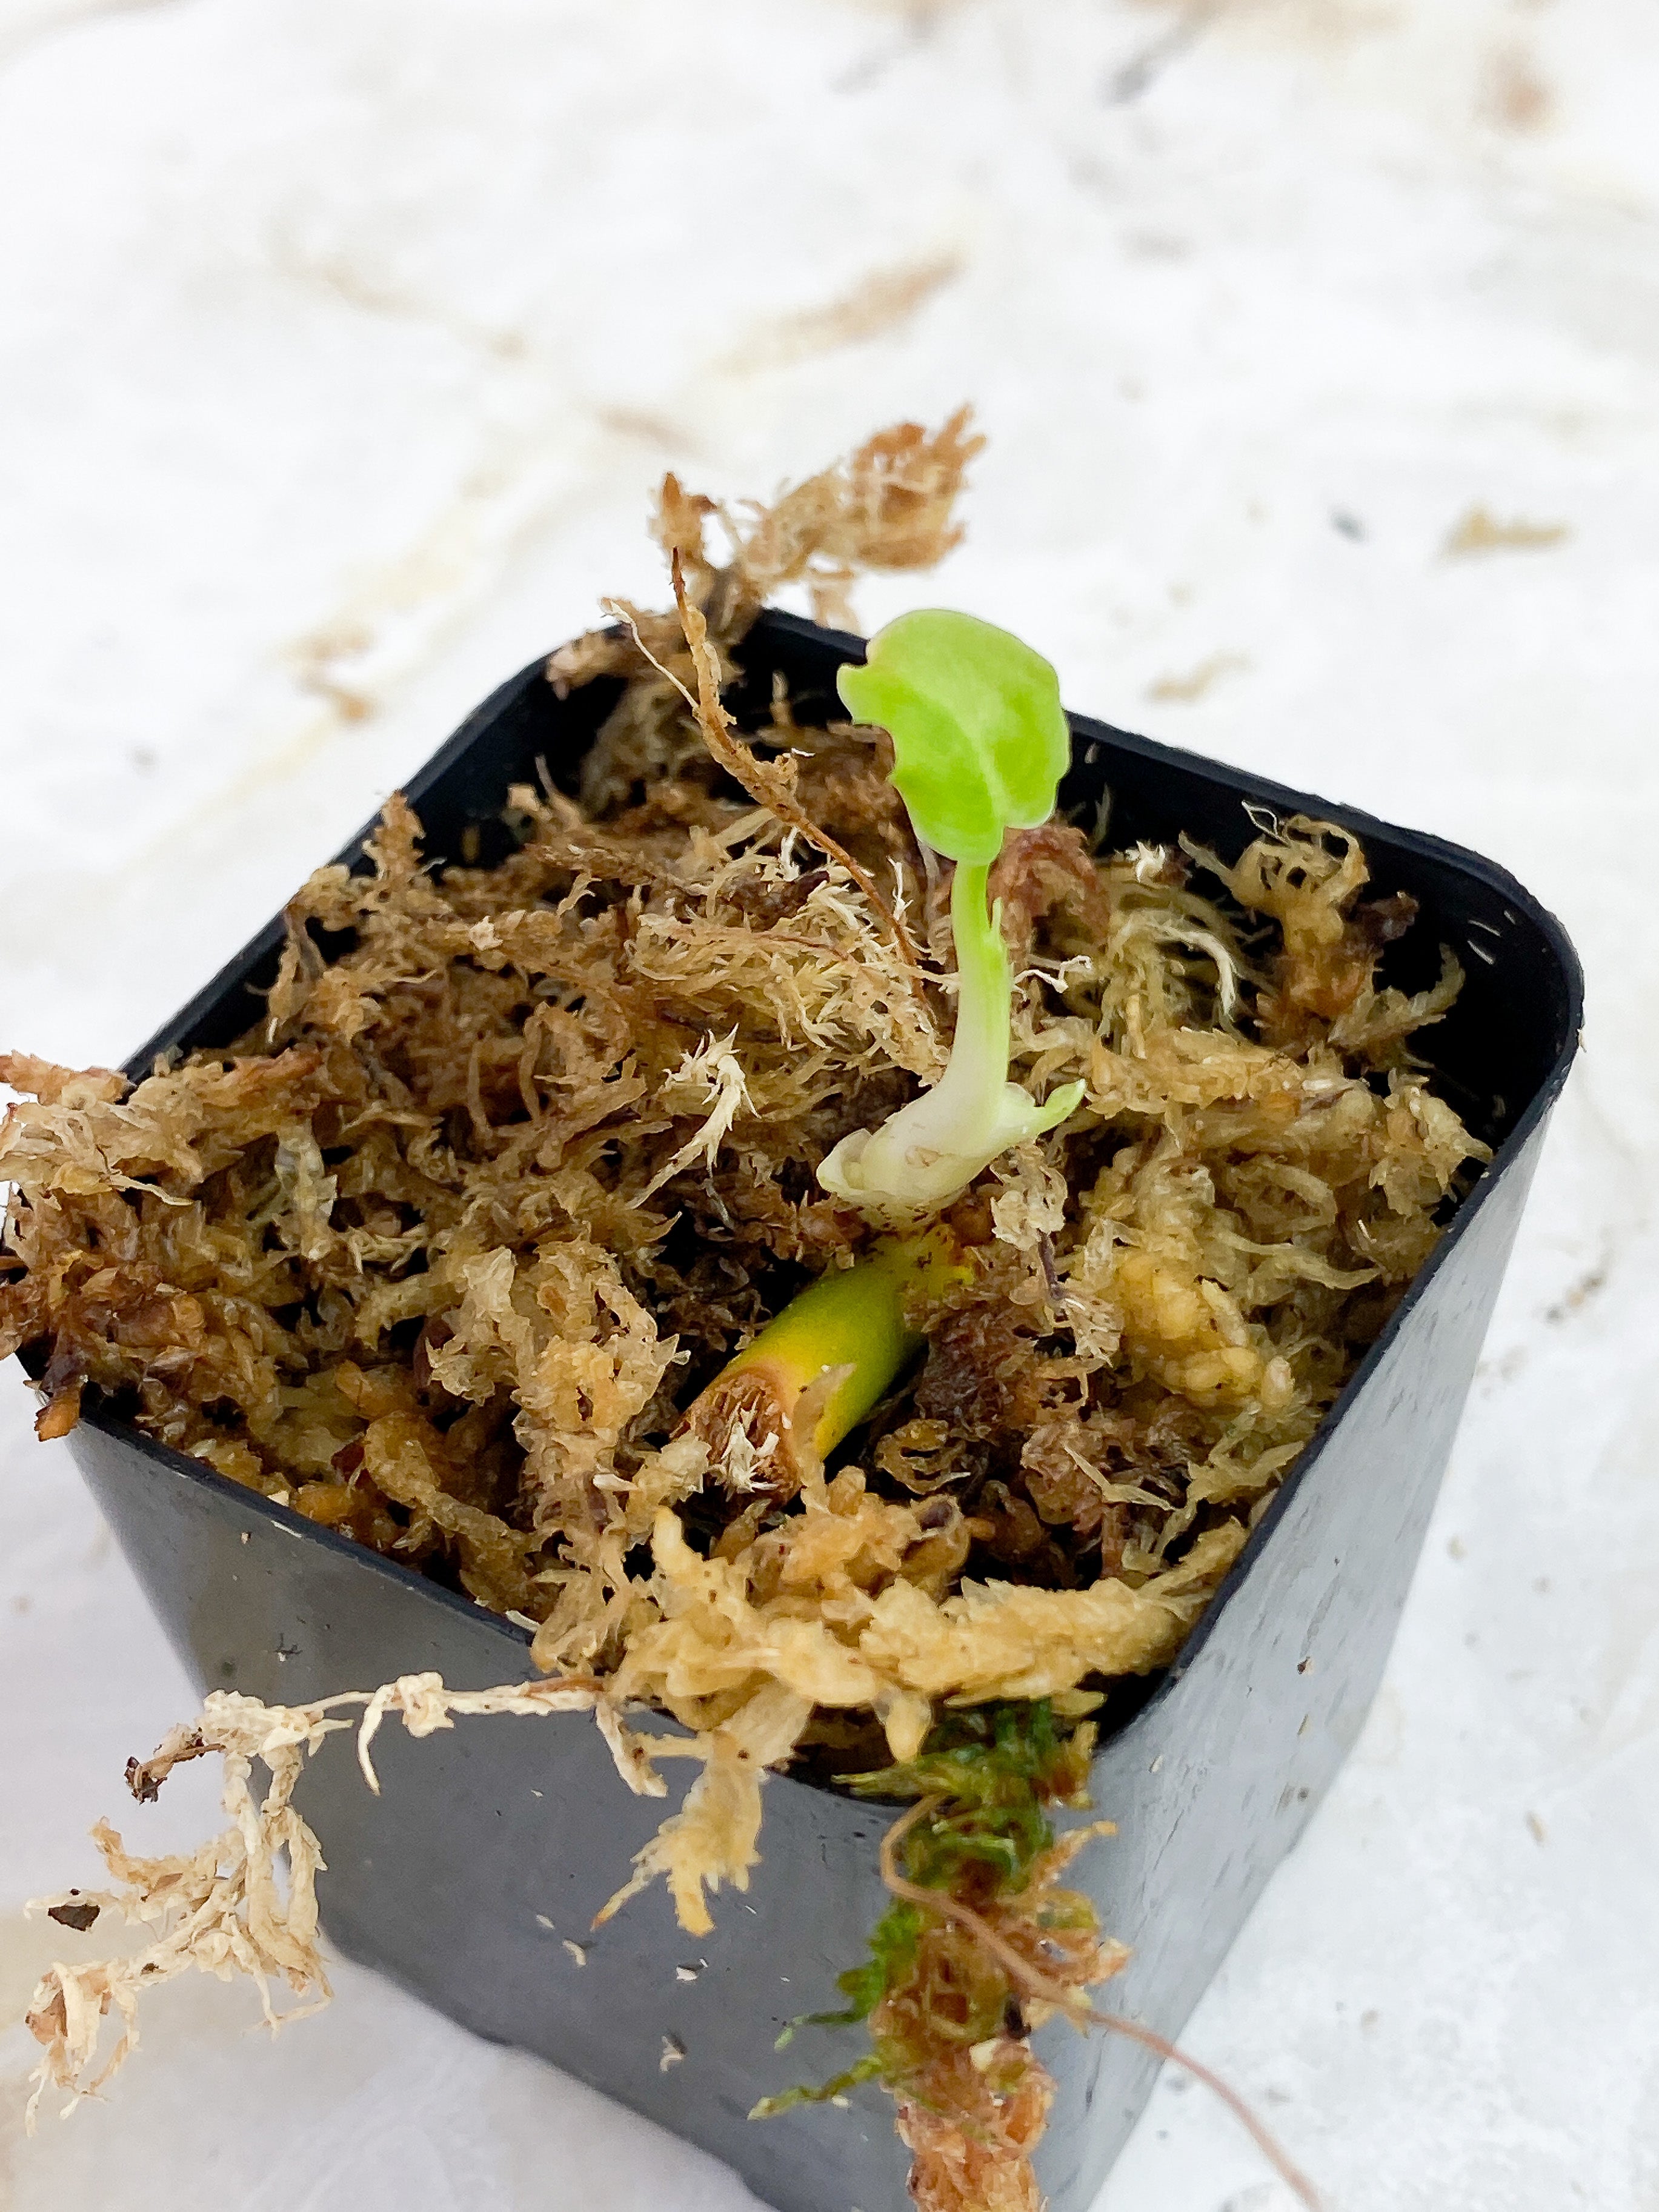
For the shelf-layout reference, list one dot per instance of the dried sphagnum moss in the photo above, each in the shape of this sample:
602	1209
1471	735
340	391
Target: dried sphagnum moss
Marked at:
442	1254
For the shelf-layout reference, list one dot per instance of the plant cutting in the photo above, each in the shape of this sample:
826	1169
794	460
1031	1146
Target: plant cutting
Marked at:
839	1260
980	743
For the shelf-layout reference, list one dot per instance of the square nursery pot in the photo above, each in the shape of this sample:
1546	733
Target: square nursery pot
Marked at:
494	1844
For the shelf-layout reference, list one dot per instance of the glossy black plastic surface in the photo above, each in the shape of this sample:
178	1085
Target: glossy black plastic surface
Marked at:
492	1845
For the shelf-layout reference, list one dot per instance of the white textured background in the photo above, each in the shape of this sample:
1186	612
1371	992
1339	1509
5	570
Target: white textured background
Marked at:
341	341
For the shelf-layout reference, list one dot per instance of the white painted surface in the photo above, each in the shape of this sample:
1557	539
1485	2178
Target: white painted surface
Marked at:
341	344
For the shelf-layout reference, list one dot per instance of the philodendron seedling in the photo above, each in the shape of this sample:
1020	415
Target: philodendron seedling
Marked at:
980	743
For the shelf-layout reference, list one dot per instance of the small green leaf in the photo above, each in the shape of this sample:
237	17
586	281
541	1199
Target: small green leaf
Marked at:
980	739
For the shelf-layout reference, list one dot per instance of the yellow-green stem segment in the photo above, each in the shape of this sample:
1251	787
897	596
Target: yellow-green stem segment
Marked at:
853	1318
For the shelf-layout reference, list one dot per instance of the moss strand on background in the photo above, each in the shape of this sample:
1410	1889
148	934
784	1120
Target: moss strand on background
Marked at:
948	2023
979	1945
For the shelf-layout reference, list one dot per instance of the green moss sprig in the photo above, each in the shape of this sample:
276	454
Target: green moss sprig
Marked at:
980	1835
979	1945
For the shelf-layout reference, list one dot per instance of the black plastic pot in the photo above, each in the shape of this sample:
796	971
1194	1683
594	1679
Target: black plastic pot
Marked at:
492	1846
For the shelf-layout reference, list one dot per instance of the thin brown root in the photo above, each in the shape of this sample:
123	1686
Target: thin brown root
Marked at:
1288	2171
1031	1983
